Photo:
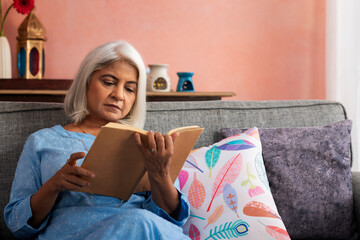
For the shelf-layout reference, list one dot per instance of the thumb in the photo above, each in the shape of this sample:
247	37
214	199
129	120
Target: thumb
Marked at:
74	157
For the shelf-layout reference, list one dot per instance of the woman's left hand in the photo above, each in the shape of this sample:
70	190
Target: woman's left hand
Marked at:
158	154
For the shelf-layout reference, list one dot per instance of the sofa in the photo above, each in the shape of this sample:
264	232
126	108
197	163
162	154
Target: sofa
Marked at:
19	119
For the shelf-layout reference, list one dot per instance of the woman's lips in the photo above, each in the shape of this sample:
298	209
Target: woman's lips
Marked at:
113	106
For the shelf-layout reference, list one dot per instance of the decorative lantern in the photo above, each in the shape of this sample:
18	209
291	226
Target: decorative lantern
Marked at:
30	48
158	80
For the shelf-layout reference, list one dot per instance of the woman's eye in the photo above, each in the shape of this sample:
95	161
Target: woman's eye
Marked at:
130	89
108	83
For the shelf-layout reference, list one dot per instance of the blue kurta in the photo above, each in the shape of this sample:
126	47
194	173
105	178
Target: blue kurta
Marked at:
78	215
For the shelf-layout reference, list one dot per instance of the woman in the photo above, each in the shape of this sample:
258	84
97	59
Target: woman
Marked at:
109	87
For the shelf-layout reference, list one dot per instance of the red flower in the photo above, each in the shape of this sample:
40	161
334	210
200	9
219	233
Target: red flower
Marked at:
23	6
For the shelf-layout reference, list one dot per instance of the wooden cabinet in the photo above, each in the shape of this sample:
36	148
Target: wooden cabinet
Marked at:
54	90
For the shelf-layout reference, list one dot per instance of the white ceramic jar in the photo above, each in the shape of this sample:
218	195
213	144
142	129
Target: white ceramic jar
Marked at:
158	79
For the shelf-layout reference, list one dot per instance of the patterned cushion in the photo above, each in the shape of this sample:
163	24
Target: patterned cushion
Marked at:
310	178
229	192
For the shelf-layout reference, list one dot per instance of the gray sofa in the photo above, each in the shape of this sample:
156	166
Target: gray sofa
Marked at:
18	120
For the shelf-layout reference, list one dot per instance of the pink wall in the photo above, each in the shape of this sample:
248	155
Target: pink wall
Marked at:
259	49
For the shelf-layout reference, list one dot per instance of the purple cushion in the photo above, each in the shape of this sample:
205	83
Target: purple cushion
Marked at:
310	177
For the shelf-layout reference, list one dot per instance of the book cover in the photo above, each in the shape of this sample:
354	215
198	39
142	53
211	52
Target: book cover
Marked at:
118	163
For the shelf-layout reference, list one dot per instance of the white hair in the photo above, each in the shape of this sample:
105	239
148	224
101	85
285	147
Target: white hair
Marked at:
75	103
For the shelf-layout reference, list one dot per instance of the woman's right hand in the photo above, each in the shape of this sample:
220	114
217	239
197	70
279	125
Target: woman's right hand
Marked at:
70	176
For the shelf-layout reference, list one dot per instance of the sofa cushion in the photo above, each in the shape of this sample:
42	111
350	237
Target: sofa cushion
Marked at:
213	115
310	178
229	192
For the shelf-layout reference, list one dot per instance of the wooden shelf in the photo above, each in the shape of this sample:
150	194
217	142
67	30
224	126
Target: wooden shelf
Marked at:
54	90
187	96
33	92
35	84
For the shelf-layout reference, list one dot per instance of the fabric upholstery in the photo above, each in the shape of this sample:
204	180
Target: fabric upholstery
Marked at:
311	166
18	120
214	115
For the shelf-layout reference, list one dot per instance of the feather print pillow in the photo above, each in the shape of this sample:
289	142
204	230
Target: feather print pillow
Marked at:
229	193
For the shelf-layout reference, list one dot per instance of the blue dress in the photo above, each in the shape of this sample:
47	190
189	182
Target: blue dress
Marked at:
78	215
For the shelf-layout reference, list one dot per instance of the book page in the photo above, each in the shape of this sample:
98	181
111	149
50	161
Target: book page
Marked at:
182	129
126	127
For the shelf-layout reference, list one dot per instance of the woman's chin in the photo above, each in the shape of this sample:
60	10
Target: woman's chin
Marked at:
113	117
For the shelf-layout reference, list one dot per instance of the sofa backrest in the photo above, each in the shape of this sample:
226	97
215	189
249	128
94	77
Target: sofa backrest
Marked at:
215	115
18	120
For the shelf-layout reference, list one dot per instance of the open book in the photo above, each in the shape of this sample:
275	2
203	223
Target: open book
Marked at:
118	162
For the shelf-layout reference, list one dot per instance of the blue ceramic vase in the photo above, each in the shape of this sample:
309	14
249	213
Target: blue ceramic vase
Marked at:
185	83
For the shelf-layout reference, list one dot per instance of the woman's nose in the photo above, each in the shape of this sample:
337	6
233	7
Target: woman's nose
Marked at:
118	93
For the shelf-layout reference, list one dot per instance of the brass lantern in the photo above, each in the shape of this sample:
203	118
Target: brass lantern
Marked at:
30	48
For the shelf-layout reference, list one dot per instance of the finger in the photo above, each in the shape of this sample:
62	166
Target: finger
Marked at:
151	140
174	136
74	157
159	141
82	172
145	150
169	144
75	180
70	187
138	141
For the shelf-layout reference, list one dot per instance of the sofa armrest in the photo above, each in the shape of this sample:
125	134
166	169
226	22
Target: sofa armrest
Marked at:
356	192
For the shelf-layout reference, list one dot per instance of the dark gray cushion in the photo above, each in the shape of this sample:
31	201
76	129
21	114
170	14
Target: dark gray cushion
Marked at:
310	177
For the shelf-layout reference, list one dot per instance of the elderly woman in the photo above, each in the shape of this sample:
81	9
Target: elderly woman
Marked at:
45	202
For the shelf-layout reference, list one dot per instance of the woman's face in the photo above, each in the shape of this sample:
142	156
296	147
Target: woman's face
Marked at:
112	92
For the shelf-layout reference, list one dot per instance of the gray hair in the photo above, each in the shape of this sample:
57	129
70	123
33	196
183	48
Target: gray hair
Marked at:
75	103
